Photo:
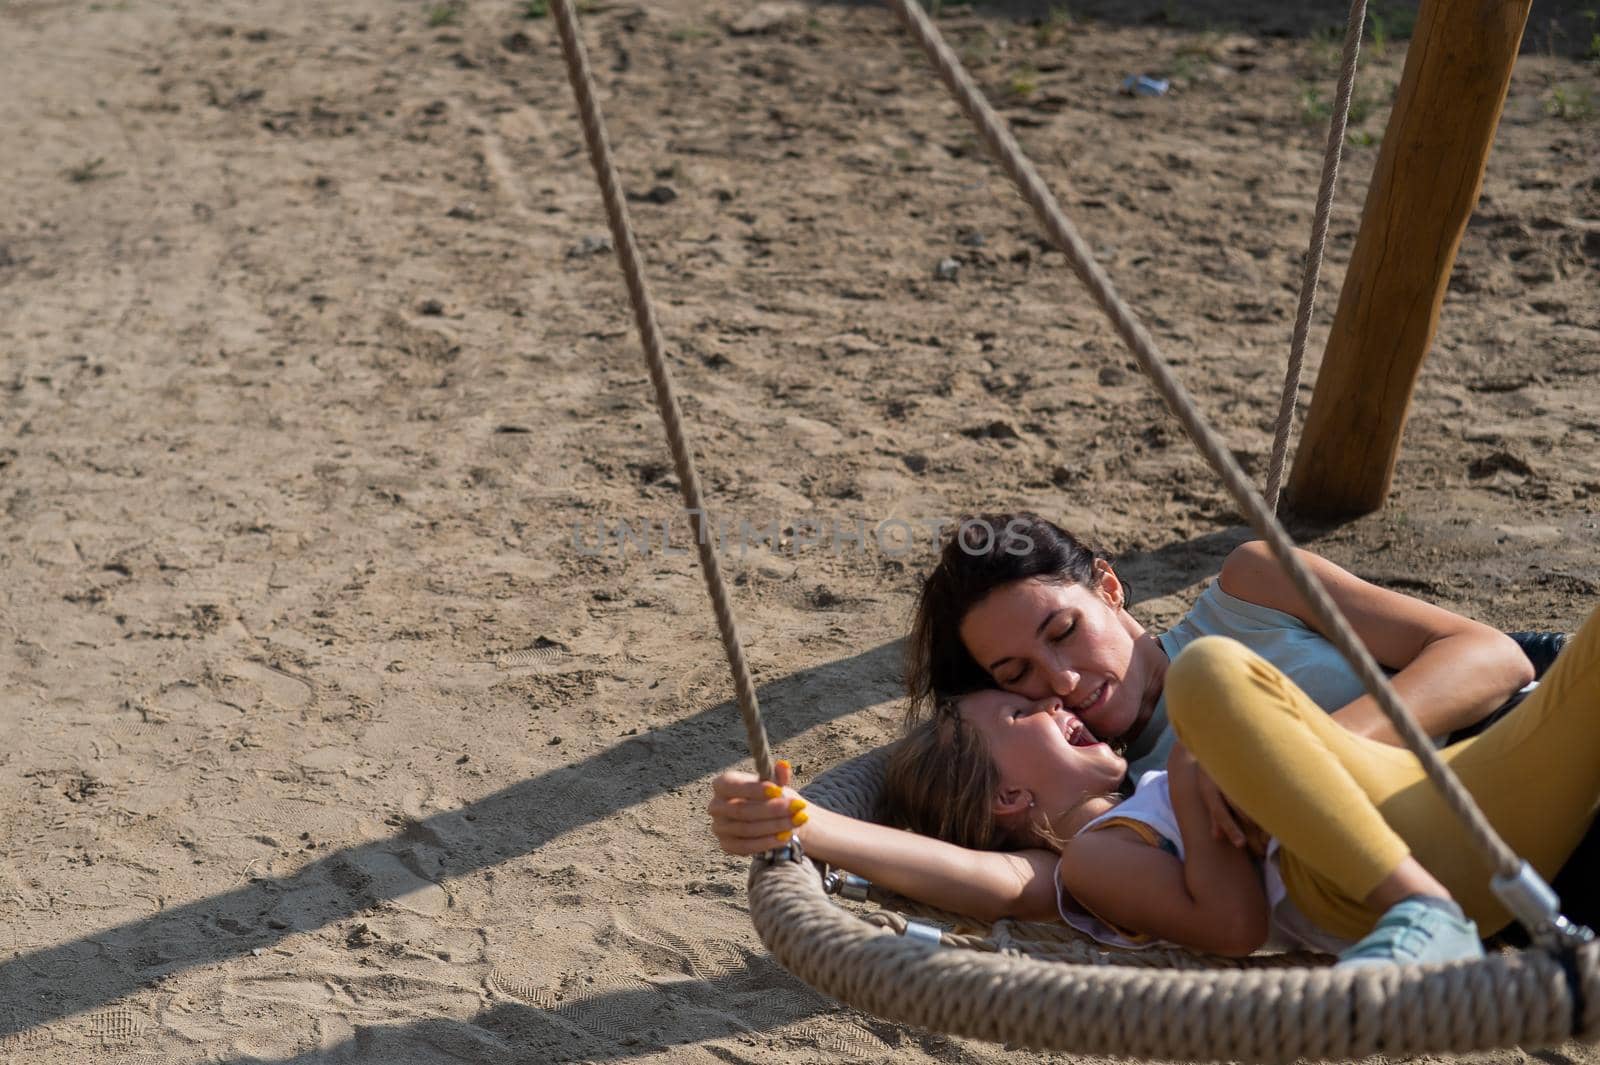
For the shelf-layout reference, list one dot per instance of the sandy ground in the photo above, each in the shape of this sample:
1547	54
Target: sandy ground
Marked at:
333	731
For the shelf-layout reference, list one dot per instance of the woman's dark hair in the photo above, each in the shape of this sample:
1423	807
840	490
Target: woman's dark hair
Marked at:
986	551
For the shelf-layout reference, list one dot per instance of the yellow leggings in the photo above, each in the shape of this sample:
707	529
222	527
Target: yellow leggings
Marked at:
1346	810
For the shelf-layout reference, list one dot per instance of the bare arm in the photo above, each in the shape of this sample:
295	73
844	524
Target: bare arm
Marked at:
988	885
1451	671
984	884
1213	900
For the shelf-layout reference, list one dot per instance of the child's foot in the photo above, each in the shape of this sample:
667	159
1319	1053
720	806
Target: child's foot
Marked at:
1416	931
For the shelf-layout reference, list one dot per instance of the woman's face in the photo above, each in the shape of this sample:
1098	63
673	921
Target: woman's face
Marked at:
1041	750
1040	638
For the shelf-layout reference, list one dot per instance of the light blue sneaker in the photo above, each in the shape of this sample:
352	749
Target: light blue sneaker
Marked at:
1417	931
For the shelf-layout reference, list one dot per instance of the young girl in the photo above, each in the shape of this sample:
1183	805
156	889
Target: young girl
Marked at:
1359	834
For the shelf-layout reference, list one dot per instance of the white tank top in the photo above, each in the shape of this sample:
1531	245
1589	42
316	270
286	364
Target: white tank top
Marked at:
1149	814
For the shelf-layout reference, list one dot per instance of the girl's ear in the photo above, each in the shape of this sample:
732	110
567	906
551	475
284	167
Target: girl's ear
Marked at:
1012	802
1110	585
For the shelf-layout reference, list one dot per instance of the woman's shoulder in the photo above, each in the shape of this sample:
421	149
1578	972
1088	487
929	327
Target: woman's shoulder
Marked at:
1239	596
1217	612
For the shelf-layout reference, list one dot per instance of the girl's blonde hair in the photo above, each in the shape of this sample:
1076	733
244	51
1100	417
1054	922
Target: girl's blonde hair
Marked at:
941	781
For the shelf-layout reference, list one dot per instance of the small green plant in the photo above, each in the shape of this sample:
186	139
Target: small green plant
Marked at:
1378	27
535	8
1570	103
1314	110
1592	17
444	15
1402	21
1184	67
1362	138
90	170
1327	46
1024	82
1054	27
681	34
1362	105
1386	25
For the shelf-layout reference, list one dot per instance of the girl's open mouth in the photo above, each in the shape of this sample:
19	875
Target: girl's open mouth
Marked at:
1077	733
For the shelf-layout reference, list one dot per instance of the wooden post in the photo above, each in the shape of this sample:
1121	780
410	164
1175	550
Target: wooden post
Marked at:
1429	171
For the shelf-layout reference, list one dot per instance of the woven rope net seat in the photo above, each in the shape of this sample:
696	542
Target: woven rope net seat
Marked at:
1045	988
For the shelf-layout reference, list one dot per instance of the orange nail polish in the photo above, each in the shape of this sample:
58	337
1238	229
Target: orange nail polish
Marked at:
783	763
783	837
799	819
772	791
796	805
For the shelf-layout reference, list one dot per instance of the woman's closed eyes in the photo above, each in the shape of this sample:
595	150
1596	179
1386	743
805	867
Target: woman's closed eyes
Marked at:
1027	667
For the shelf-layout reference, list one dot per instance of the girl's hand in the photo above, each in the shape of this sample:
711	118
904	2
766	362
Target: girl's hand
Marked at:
752	816
1226	822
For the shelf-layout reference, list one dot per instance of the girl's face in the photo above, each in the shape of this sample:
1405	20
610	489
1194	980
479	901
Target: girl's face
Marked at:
1045	755
1040	638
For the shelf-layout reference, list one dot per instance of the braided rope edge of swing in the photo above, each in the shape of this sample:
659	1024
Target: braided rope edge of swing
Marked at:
1268	1015
1085	1001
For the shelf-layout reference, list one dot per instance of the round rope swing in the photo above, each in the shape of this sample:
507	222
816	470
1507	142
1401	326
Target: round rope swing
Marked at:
1042	986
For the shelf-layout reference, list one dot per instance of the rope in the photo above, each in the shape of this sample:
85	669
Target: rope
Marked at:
898	923
1337	125
1137	1012
644	314
1323	610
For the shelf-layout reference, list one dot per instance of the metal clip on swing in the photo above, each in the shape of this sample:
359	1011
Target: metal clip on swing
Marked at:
1537	908
858	888
789	852
851	886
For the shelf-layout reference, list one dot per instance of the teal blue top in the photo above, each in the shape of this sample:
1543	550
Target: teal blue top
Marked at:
1282	639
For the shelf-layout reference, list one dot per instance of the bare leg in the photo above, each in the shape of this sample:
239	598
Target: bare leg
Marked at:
1406	881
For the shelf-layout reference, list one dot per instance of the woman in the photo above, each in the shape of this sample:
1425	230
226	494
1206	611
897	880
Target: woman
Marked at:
1032	610
1017	602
